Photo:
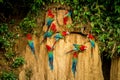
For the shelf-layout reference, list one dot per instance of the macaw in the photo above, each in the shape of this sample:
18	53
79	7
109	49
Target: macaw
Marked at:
50	56
78	48
92	42
74	62
67	16
50	19
59	36
49	33
31	44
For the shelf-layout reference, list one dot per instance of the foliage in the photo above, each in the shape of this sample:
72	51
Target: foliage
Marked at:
6	37
8	76
9	55
27	25
19	61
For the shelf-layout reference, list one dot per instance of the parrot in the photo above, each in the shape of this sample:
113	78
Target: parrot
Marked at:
31	44
50	19
50	56
78	48
92	42
49	33
74	62
59	36
66	17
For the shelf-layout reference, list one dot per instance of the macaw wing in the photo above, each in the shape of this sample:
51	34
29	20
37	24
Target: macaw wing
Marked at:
49	21
92	42
31	45
58	36
76	46
48	34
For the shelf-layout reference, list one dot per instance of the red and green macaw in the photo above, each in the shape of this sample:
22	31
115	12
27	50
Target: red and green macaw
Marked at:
49	33
59	36
77	48
92	42
50	56
31	43
67	16
74	62
50	18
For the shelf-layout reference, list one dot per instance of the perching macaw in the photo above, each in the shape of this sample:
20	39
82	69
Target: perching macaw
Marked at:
50	56
31	44
78	48
50	19
59	36
74	62
92	42
67	16
50	32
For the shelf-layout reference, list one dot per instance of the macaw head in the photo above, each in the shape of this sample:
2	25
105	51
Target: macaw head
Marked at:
90	36
48	47
29	36
50	14
64	33
83	47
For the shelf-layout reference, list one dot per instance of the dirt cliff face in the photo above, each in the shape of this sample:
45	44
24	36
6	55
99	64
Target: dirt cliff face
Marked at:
115	71
88	68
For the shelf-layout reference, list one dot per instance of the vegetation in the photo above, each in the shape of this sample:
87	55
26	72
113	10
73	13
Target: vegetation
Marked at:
18	62
8	76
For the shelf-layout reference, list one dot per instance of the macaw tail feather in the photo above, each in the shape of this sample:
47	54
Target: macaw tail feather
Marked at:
51	65
50	57
69	51
74	63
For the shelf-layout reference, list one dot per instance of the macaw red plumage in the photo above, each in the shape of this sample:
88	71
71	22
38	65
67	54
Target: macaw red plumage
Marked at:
50	56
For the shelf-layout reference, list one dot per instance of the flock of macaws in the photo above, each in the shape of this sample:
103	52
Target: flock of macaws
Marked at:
52	30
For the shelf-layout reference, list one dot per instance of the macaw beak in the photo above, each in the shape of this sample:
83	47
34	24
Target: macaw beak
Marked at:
68	32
